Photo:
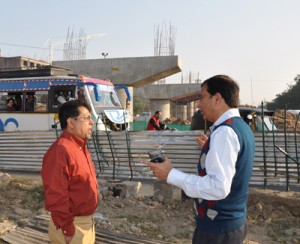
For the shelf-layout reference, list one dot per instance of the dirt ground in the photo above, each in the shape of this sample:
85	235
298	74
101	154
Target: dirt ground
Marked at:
273	216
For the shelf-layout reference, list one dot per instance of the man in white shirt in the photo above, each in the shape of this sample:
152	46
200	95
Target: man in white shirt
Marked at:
220	189
63	97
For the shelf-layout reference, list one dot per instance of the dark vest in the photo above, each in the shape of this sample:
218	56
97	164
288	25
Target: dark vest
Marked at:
229	213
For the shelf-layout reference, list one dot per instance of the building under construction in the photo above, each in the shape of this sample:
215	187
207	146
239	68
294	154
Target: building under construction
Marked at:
21	63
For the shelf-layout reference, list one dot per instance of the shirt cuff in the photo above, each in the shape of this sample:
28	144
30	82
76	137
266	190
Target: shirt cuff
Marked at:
69	230
176	177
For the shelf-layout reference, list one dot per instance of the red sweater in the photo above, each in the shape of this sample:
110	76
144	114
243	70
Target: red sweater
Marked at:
70	184
153	123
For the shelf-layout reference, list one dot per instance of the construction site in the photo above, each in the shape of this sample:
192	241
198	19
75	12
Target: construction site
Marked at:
135	207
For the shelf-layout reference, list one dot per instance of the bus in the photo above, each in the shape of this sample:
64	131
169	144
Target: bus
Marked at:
35	105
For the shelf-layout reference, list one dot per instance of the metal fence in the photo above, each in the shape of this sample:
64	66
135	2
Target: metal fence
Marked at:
117	155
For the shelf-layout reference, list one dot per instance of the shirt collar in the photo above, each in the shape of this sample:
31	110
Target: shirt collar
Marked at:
80	142
233	112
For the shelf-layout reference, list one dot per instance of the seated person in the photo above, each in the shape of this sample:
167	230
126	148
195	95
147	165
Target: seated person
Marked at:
18	103
29	106
63	97
10	105
155	124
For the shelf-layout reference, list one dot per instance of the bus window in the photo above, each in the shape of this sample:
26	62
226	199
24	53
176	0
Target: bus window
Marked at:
64	96
41	98
30	102
3	101
17	98
107	97
68	92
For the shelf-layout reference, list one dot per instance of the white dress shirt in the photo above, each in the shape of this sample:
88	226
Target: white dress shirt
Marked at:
220	164
61	99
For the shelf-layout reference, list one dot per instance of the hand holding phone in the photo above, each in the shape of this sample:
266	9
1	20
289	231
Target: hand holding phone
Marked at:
155	156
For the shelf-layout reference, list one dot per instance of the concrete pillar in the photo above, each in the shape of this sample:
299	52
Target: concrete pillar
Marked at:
182	111
190	110
160	105
124	100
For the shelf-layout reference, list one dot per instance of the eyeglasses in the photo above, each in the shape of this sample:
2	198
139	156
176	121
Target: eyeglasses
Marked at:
84	118
201	97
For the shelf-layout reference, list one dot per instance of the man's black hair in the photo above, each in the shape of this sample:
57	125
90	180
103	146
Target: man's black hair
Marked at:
226	86
157	112
70	109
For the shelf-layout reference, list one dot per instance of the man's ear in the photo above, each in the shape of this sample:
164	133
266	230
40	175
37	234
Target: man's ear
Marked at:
218	97
70	122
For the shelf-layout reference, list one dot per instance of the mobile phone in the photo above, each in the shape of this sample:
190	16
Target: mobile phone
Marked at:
155	156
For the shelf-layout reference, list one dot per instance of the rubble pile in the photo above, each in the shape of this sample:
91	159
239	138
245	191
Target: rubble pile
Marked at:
20	200
291	120
148	210
155	210
175	120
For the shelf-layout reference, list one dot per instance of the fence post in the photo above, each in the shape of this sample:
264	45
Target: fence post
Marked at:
110	144
285	148
264	145
296	146
273	137
128	147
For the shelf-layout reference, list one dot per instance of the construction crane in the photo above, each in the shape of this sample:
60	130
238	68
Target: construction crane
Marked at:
80	39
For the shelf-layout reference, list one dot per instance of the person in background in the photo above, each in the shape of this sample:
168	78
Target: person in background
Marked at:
18	102
10	105
154	123
198	123
69	178
220	190
63	97
29	105
195	123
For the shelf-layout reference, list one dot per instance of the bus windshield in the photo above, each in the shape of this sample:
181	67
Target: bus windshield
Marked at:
107	97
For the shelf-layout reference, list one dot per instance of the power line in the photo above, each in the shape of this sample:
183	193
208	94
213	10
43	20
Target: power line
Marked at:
18	45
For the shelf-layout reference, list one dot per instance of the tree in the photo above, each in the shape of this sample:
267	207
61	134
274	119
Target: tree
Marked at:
289	98
140	105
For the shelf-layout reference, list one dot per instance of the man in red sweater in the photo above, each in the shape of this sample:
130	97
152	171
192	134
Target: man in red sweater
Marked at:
154	123
69	178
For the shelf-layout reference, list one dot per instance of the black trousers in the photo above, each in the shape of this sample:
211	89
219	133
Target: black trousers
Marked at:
233	237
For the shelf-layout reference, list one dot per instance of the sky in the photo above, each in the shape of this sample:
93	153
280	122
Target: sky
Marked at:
256	42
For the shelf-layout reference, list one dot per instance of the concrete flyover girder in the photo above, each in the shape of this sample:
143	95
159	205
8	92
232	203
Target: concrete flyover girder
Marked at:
160	96
166	91
135	71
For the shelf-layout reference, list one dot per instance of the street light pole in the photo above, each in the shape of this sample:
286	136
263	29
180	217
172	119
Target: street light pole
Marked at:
104	54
